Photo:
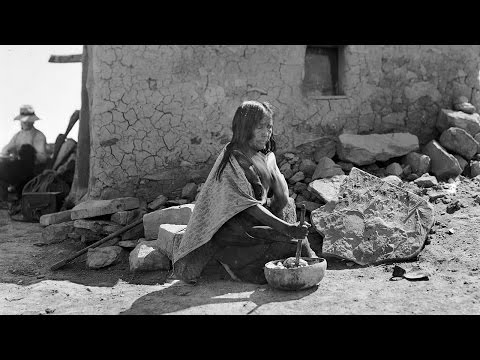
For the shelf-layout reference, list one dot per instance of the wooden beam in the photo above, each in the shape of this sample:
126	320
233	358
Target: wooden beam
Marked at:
77	58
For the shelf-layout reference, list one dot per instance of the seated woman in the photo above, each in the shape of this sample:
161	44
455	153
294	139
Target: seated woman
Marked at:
234	221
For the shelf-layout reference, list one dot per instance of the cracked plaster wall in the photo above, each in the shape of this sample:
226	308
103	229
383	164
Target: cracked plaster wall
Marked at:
161	113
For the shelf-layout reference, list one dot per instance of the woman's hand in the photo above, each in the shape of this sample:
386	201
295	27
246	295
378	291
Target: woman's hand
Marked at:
298	231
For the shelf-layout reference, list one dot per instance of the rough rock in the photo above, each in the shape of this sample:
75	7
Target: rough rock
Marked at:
159	201
394	169
461	161
459	141
299	176
307	166
55	218
373	221
407	170
345	166
147	257
426	181
474	168
167	235
468	122
420	163
366	149
93	208
412	177
449	189
326	168
326	189
103	256
189	191
393	179
326	147
56	233
129	244
443	164
127	217
177	215
100	227
466	107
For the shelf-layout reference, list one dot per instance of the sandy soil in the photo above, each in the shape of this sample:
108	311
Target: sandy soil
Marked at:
28	286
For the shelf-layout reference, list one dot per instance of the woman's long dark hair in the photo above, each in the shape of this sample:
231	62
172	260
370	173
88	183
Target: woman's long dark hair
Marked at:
248	115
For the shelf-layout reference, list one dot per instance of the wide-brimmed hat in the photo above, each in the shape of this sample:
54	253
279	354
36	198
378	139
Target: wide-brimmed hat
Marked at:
27	114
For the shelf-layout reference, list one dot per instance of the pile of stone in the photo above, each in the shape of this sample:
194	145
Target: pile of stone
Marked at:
314	178
147	246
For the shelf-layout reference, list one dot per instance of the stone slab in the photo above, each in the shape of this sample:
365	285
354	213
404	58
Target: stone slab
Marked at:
178	215
93	208
167	234
367	149
373	221
100	227
56	218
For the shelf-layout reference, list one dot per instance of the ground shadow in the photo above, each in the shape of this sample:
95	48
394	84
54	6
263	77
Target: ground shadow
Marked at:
208	291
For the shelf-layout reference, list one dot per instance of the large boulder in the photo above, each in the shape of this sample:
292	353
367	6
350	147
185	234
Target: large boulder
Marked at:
178	215
449	118
326	190
459	141
367	149
373	221
326	168
477	139
419	163
443	164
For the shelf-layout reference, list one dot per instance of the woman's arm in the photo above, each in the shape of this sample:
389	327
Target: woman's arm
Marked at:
279	186
266	217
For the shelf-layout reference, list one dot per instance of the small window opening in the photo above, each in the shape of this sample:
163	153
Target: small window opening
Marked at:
323	64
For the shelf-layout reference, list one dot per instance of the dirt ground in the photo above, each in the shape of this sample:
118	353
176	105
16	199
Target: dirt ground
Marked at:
28	286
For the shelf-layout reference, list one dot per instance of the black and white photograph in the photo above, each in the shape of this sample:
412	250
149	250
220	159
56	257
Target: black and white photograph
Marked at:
331	179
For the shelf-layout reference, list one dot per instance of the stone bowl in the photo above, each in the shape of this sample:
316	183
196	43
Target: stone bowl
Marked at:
299	278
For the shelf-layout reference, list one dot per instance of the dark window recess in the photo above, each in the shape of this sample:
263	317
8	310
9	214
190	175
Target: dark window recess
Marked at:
321	70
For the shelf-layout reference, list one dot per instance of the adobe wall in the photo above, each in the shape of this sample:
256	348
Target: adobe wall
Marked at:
161	113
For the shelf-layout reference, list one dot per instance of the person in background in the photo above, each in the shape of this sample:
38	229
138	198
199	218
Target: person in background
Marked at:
27	135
